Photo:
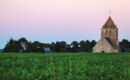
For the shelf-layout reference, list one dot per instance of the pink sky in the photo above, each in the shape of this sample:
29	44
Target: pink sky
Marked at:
61	20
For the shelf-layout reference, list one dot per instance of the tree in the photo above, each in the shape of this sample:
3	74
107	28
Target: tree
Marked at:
60	46
82	46
23	42
57	46
52	46
12	46
93	43
37	47
125	45
75	46
88	46
68	48
29	47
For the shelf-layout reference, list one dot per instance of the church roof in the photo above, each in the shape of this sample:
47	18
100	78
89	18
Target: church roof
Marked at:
109	41
109	23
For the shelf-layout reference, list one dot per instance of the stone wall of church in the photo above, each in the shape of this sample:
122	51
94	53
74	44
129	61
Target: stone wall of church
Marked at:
104	46
112	34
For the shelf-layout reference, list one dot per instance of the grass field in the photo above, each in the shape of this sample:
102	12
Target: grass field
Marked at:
64	66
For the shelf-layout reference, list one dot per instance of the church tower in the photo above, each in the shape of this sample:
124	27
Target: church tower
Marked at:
110	31
109	38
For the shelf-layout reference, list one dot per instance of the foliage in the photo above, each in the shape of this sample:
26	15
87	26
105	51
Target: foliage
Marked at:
125	45
13	46
75	46
23	45
64	66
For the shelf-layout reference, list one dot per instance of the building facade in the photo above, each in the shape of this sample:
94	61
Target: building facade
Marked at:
109	38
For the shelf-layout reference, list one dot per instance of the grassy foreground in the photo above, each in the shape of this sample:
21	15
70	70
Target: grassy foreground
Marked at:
64	66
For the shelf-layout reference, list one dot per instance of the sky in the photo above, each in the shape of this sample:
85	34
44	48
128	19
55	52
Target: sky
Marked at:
61	20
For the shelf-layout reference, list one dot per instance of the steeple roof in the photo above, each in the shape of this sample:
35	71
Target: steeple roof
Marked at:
109	23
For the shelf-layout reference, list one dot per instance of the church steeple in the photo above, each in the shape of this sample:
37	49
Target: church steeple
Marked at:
110	31
109	38
109	23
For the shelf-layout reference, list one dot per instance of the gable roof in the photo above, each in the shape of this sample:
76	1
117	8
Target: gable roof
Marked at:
101	43
109	41
109	23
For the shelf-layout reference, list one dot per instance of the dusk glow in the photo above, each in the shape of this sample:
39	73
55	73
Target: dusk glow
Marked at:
61	20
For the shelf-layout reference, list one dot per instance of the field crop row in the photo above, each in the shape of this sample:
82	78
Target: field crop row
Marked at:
64	66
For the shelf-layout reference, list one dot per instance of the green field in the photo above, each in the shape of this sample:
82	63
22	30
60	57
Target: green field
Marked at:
64	66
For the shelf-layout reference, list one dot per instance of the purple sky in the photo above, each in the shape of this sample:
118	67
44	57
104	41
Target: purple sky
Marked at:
61	20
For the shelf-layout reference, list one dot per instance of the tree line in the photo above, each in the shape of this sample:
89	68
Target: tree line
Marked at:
23	45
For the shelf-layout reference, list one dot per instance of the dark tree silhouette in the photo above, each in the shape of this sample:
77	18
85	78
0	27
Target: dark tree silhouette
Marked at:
88	46
60	46
93	43
75	46
23	45
12	46
23	42
52	47
125	46
83	46
37	47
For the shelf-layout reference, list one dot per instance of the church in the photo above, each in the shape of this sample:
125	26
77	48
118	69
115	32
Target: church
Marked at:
108	42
